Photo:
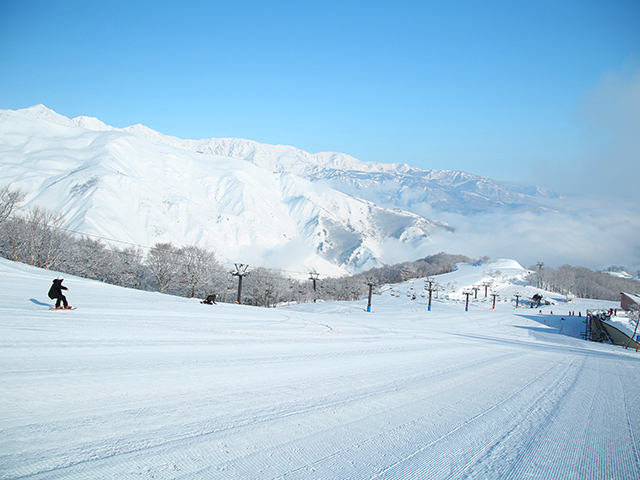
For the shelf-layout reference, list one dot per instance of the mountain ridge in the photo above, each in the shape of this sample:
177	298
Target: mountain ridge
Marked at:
391	185
121	184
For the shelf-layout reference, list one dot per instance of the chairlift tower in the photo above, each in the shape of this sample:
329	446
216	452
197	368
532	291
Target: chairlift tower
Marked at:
494	296
475	289
313	276
241	271
433	286
517	295
466	306
371	284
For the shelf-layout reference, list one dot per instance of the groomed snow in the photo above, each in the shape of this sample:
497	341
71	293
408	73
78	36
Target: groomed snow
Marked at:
140	385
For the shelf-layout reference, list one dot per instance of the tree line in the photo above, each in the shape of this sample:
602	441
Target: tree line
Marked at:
425	267
583	282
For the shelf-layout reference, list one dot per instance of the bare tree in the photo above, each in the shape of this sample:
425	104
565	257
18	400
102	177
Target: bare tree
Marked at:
45	238
198	267
161	260
265	287
10	199
130	267
13	239
90	258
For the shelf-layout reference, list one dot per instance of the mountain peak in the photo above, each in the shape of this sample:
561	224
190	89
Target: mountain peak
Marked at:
40	112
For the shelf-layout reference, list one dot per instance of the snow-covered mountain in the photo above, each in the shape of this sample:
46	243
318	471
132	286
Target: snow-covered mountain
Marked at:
282	207
395	185
392	185
136	185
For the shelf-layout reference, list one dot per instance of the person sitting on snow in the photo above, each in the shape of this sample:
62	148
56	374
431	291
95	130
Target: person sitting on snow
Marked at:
210	300
56	292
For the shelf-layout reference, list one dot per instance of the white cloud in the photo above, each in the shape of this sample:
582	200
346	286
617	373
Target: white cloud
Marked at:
590	237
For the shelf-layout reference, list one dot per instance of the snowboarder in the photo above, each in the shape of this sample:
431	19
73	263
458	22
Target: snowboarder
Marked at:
56	292
210	300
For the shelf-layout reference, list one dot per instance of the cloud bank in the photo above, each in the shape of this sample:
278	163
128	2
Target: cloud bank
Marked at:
586	235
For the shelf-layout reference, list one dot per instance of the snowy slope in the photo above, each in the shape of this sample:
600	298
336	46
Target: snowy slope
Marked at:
125	185
622	274
140	385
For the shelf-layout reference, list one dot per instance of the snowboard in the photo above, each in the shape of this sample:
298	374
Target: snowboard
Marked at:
63	309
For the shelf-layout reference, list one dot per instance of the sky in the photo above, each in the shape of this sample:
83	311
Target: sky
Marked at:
542	92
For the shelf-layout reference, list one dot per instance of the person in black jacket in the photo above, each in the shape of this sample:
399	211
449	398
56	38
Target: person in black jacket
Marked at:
210	300
56	292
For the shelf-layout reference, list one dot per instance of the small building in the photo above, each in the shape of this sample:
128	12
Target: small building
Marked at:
629	301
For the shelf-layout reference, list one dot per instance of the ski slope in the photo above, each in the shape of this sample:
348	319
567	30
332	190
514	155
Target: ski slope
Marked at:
141	385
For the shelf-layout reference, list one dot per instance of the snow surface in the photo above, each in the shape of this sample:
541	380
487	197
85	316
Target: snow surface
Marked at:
622	274
142	385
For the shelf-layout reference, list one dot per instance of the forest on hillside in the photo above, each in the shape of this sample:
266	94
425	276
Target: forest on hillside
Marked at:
583	282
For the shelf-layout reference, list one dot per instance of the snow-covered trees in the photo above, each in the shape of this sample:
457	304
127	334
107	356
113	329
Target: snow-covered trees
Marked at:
582	282
401	272
13	238
88	258
44	237
189	271
129	268
10	199
161	261
199	272
35	239
262	287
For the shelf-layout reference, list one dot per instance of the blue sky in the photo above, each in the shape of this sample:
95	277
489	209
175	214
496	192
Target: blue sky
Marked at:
532	91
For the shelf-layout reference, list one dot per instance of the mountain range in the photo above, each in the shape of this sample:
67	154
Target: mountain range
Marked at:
270	205
395	185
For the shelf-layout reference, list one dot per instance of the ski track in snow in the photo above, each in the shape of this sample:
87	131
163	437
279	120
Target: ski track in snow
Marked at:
140	385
